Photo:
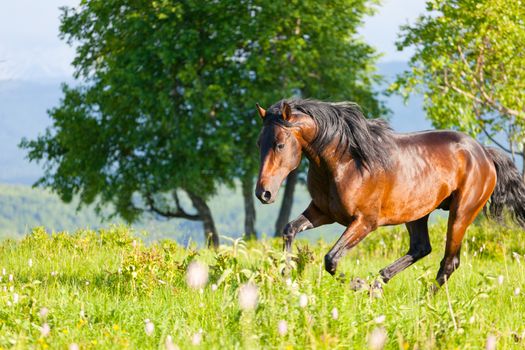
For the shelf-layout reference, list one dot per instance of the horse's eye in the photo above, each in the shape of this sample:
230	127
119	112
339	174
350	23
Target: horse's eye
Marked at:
280	146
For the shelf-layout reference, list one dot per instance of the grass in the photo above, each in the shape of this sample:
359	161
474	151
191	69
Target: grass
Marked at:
99	288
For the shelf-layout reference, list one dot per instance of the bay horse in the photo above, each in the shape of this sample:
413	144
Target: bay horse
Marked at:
362	175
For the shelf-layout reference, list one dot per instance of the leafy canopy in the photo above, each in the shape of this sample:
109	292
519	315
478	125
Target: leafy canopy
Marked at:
468	63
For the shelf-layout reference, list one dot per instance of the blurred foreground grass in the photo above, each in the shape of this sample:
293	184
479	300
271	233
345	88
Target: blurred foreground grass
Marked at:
96	289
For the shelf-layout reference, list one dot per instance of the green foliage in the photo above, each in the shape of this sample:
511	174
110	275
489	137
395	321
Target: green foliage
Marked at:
468	63
99	287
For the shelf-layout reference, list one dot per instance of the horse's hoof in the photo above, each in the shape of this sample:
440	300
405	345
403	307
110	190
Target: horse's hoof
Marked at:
330	265
376	289
434	288
357	284
341	278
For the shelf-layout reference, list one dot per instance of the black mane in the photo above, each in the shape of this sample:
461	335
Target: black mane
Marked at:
368	140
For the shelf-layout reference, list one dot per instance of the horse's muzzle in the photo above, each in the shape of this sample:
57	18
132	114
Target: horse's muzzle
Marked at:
264	196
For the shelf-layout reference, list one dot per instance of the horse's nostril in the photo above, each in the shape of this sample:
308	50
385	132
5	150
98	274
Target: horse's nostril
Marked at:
267	195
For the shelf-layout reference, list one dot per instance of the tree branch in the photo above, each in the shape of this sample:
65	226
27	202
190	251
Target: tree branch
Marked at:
178	213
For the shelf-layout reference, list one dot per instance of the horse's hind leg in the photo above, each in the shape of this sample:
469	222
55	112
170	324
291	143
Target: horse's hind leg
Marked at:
419	248
463	211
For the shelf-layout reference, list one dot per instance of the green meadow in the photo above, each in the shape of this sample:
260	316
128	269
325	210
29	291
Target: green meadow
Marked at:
109	290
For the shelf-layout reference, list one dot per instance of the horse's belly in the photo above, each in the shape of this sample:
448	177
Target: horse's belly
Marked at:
414	204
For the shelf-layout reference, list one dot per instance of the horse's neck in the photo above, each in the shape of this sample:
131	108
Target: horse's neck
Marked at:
326	163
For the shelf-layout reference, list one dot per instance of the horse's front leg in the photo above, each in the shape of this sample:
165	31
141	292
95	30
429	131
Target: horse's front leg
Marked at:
310	218
353	234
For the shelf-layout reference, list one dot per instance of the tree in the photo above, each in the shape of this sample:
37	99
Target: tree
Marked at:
468	63
146	121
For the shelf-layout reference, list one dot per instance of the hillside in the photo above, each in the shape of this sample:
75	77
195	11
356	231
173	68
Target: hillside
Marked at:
23	207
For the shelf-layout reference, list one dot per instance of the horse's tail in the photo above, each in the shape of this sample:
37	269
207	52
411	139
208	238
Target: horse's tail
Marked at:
510	188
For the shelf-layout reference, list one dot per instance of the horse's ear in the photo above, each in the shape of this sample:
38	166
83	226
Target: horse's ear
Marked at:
262	111
286	110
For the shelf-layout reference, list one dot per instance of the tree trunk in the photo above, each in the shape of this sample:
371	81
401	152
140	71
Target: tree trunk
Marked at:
249	208
211	237
286	205
523	163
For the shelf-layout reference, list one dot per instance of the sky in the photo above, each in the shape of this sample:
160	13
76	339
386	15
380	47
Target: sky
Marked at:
31	50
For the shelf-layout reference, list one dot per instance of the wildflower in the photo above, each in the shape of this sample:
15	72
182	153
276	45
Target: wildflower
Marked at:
214	287
500	279
149	327
11	278
517	257
248	296
282	328
380	319
377	339
517	291
169	343
303	300
197	338
471	320
3	271
335	313
15	298
30	262
197	275
288	282
490	344
45	330
134	243
54	273
74	346
43	312
82	313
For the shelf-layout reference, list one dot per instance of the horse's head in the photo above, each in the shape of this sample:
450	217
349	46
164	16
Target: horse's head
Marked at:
280	148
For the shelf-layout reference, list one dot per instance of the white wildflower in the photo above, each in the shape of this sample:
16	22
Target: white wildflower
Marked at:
30	262
517	291
380	319
335	313
282	327
74	346
303	300
45	330
149	327
197	275
490	344
11	278
168	343
500	279
377	339
16	297
214	287
196	339
43	312
248	296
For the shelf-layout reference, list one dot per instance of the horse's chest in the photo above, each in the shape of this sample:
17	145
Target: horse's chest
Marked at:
328	199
